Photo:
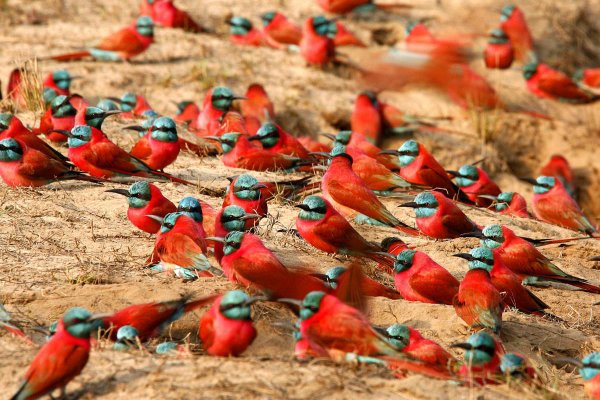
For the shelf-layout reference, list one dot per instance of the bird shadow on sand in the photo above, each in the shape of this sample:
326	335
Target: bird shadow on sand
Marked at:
106	385
166	60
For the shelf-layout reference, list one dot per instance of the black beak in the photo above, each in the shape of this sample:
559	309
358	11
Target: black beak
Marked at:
123	192
410	204
528	180
255	137
258	186
475	234
239	98
466	346
115	99
64	132
302	207
465	256
136	128
453	173
216	239
328	136
112	112
254	299
597	258
320	154
390	152
290	301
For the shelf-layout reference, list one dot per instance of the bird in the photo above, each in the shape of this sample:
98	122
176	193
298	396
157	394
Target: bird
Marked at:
410	341
418	278
474	182
552	203
482	358
245	191
349	194
248	262
323	227
524	259
588	77
145	199
589	369
122	45
558	166
229	219
273	138
512	22
516	366
357	6
59	81
10	326
226	329
133	105
217	102
548	83
257	108
62	358
166	14
339	279
187	112
200	211
357	140
279	28
499	52
344	37
510	203
242	32
160	146
478	302
317	46
22	166
438	217
366	118
59	116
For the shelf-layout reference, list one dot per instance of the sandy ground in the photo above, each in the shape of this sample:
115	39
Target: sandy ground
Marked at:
71	244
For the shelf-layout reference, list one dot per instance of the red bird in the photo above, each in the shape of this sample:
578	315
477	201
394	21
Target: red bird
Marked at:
512	22
478	302
14	89
475	182
499	51
160	146
360	141
438	217
145	199
59	81
418	34
316	46
257	108
559	167
21	165
344	37
552	203
346	6
187	113
275	139
165	13
120	46
510	203
248	262
349	194
324	228
217	102
410	341
226	329
420	168
151	318
548	83
243	33
393	245
62	358
525	260
59	116
229	219
133	105
246	192
506	281
91	151
200	211
313	145
482	359
589	77
366	116
280	29
419	278
515	365
339	279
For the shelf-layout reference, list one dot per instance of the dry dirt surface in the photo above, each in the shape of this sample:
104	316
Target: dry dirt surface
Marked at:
70	244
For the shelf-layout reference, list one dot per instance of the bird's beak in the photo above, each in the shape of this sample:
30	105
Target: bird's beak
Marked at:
63	131
327	135
216	239
466	346
465	256
290	301
255	137
320	154
487	196
232	178
258	186
115	99
529	180
475	234
74	77
596	304
112	112
389	152
254	299
123	192
213	138
156	218
302	207
453	173
572	361
250	216
597	258
239	98
410	204
136	128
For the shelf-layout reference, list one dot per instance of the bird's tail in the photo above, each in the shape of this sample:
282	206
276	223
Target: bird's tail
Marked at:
402	227
171	177
202	301
16	331
71	56
76	175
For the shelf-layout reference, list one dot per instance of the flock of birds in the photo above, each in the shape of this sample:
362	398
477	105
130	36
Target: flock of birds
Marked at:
357	172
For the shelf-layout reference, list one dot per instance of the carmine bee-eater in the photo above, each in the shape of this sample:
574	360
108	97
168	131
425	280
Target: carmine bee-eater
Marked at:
60	116
499	51
21	165
62	358
257	108
366	116
410	341
506	281
274	138
482	358
91	151
420	168
516	366
59	81
122	45
510	203
160	146
589	77
180	248
151	318
339	279
589	369
107	104
93	117
393	245
165	13
548	83
127	337
345	37
512	22
417	33
229	219
281	30
438	217
418	278
524	259
346	6
187	113
360	141
349	194
200	211
317	46
313	145
145	199
226	329
246	192
559	167
242	32
478	302
247	261
326	229
474	182
133	105
7	323
12	127
552	203
216	103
